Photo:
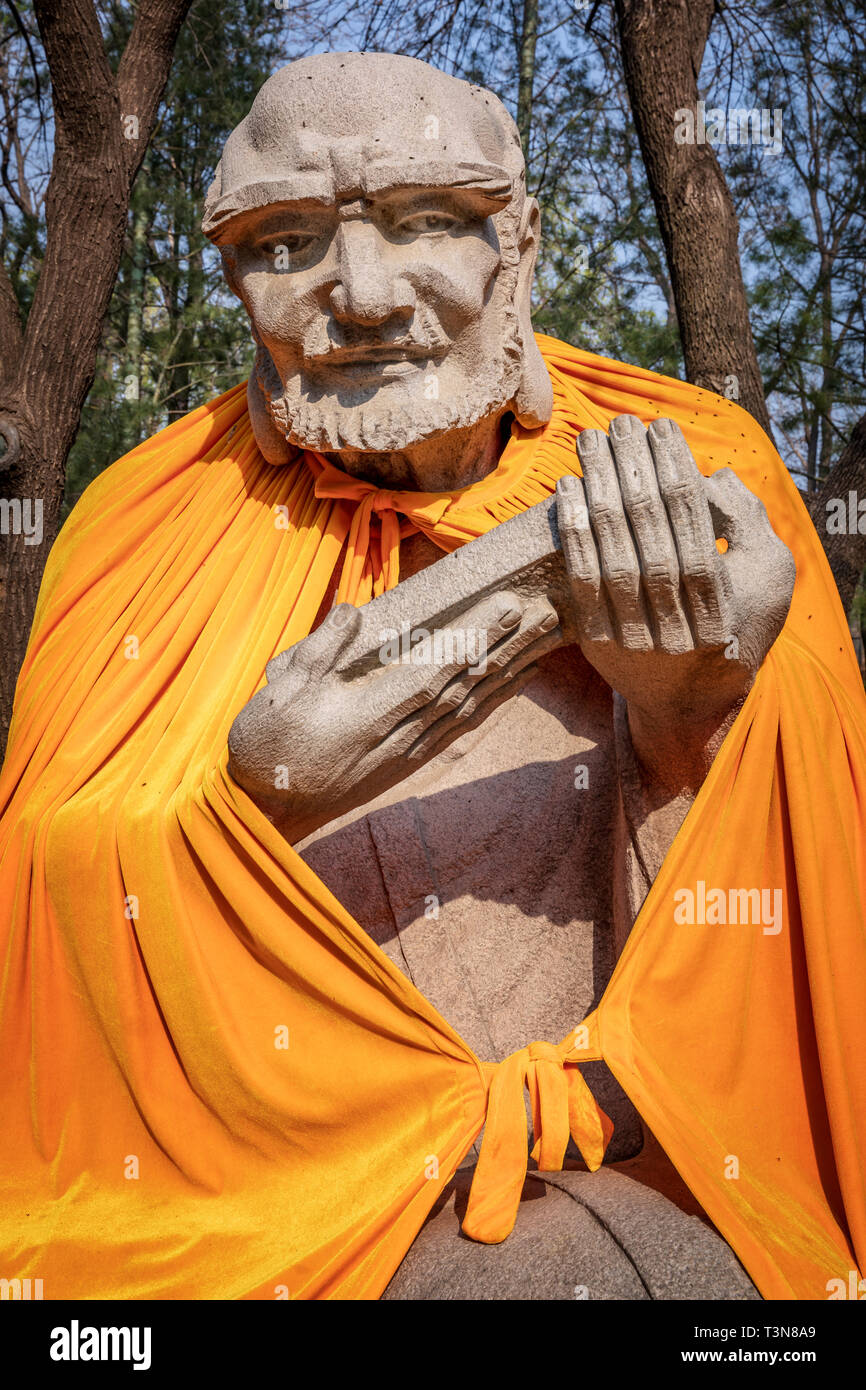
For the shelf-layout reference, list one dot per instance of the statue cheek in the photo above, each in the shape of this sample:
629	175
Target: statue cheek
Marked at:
280	307
456	278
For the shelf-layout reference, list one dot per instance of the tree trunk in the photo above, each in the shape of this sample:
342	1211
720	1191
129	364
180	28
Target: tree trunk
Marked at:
846	551
828	374
103	122
662	44
526	73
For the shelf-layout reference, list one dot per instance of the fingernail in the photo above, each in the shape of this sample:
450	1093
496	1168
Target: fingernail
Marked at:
510	617
567	483
549	622
341	616
621	426
587	442
661	427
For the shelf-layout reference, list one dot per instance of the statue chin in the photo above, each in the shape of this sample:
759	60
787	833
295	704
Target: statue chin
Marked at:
380	426
396	417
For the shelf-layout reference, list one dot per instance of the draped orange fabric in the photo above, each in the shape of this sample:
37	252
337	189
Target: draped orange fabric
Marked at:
215	1085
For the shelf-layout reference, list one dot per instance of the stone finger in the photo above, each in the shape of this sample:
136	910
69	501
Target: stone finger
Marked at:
582	562
684	494
620	570
477	706
648	518
540	633
429	660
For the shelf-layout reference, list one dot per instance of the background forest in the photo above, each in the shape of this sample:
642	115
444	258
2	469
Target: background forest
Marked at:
173	337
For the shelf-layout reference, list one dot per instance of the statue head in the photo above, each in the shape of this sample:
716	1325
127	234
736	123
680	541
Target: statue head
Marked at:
372	217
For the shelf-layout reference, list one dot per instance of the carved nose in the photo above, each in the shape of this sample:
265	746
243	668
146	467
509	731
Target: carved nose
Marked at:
367	291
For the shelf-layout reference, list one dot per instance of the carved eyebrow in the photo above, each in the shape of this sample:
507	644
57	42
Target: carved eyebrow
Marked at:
409	194
277	217
310	214
490	183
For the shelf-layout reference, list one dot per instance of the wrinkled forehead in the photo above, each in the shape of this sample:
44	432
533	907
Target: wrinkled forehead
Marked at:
343	126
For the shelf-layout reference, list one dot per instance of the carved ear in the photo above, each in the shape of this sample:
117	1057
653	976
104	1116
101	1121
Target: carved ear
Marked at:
275	447
229	258
533	401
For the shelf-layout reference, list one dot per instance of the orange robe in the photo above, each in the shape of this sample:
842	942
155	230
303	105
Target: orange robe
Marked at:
214	1084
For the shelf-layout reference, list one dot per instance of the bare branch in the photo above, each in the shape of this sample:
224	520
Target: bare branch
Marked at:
13	10
82	84
144	67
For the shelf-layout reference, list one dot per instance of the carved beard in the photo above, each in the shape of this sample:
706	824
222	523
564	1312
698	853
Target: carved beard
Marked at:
324	424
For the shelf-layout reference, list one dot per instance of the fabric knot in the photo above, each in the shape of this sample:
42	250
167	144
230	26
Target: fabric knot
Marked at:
385	501
527	473
372	562
561	1104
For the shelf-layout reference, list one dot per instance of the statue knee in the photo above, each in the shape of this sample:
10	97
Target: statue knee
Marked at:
578	1236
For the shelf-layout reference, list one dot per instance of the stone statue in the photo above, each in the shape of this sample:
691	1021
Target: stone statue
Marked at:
373	218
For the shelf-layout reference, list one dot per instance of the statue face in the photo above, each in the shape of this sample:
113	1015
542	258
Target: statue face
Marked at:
378	314
374	236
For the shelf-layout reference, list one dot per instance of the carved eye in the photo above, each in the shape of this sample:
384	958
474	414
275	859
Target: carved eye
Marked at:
285	244
421	222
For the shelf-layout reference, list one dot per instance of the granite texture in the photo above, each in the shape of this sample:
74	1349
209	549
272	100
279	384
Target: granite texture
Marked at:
579	1236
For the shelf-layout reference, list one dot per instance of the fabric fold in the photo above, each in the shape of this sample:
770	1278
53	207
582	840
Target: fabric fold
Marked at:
215	1084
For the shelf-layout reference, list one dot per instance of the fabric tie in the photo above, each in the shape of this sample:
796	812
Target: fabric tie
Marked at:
372	562
527	472
562	1104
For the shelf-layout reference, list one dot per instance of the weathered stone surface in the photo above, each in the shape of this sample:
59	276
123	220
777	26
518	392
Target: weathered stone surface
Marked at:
395	139
672	669
374	220
594	1236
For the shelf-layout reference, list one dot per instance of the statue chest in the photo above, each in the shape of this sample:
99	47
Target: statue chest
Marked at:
486	875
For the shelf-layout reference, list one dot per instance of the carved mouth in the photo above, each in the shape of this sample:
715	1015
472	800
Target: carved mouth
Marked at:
370	360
